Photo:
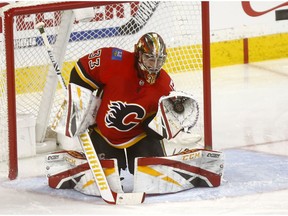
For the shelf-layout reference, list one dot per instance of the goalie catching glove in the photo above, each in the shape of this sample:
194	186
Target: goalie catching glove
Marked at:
78	112
178	111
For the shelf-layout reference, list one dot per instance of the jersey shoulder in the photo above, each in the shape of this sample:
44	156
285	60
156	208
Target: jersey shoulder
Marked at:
115	54
164	76
165	80
108	54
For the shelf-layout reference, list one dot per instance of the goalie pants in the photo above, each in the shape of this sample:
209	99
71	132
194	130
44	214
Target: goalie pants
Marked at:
146	147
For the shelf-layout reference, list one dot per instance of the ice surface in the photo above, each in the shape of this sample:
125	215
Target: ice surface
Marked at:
250	125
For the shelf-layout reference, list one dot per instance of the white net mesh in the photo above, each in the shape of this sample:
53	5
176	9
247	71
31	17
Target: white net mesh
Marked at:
119	25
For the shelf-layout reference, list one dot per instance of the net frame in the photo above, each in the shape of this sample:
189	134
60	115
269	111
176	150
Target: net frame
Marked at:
9	15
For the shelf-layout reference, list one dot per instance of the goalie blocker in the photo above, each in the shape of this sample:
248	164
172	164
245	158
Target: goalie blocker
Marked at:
78	112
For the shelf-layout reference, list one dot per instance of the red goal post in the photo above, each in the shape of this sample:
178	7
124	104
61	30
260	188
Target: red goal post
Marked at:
28	84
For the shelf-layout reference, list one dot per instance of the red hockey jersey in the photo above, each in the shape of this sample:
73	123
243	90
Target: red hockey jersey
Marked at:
127	100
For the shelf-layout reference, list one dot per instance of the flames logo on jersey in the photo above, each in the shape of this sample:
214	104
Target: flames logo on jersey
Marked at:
123	116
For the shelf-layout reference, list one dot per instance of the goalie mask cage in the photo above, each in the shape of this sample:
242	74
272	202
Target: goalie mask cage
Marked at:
29	85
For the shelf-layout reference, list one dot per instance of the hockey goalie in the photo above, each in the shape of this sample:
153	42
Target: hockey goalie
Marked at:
177	113
134	109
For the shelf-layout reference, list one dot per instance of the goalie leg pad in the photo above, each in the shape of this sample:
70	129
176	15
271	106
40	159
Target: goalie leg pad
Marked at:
160	175
70	170
64	168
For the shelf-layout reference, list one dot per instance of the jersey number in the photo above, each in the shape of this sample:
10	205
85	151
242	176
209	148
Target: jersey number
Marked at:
95	59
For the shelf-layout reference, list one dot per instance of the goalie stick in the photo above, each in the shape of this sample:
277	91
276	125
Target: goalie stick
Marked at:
107	194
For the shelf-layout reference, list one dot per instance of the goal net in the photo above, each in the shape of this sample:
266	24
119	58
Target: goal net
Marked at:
30	94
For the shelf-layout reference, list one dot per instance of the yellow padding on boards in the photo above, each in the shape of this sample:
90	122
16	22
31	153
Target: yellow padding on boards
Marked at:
33	78
222	54
268	47
183	59
262	48
226	53
30	79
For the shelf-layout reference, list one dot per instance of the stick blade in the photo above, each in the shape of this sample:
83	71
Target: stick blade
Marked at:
130	198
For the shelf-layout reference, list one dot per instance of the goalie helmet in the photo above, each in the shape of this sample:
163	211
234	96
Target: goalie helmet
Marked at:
150	53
